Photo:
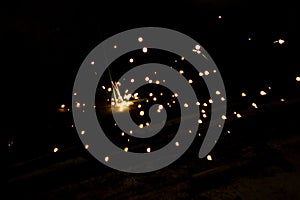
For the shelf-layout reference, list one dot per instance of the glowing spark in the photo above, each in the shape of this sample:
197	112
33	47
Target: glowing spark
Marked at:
154	98
186	105
190	81
141	125
234	113
147	124
175	95
174	101
210	101
115	46
203	111
269	88
82	132
244	94
160	107
63	106
198	103
199	134
249	38
263	93
140	39
219	17
150	81
197	47
181	72
77	105
223	99
280	41
131	132
157	82
177	144
238	115
109	89
92	63
298	78
204	116
122	133
228	132
205	104
75	94
150	94
218	92
182	58
224	117
131	60
132	80
282	100
161	94
145	49
190	131
86	146
148	149
254	105
106	159
206	73
219	125
147	78
126	149
199	121
139	106
142	113
208	157
201	74
215	71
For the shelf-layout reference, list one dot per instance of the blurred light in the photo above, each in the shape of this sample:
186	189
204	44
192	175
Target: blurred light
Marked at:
157	82
190	81
150	94
190	131
199	121
224	117
206	73
147	124
86	146
82	132
148	149
122	133
109	89
238	115
201	74
115	46
198	103
210	101
223	99
175	95
263	93
131	60
181	72
282	100
141	126
106	159
254	105
218	92
75	94
154	98
298	78
145	49
182	58
219	17
177	144
186	105
140	39
205	104
243	94
132	80
92	63
160	107
204	116
55	150
146	78
63	106
77	105
139	106
126	149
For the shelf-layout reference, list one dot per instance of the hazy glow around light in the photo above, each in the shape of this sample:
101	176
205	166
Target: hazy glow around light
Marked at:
208	157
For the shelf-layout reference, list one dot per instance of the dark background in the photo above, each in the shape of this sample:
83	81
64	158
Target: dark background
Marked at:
44	43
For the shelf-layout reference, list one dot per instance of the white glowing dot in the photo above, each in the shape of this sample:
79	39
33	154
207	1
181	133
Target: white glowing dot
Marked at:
130	131
197	47
205	104
190	131
262	93
224	117
75	94
141	125
132	80
186	105
86	146
269	88
298	78
210	101
218	92
201	74
115	46
243	94
181	72
92	63
204	116
228	132
109	89
173	101
139	106
150	81
190	81
131	60
208	157
199	134
198	103
215	71
148	149
128	140
199	121
106	159
157	82
103	87
175	95
55	150
223	99
161	94
126	91
63	106
72	125
83	104
147	100
146	78
154	98
238	115
122	133
145	49
177	144
126	149
182	58
82	132
155	73
219	125
113	103
249	38
140	39
234	112
203	111
147	123
206	72
254	105
160	107
282	100
220	17
150	94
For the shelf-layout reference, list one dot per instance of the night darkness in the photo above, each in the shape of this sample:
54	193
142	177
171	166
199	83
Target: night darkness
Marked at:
43	45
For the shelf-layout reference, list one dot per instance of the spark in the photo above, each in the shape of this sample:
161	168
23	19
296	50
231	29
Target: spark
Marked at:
182	58
203	111
269	88
77	105
132	80
141	125
282	100
75	94
161	94
139	106
238	115
131	60
298	78
142	113
157	82
204	116
219	17
198	103
206	73
254	105
215	71
175	95
197	47
205	104
177	144
228	132
92	63
82	132
224	117
115	46
218	92
201	74
160	107
150	81
106	159
199	121
190	131
122	133
208	157
150	94
63	106
147	78
199	134
244	94
147	123
131	132
223	99
181	72
263	93
109	89
186	105
55	150
234	113
86	146
145	49
148	149
154	98
249	39
219	125
140	39
126	149
210	101
280	41
190	81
